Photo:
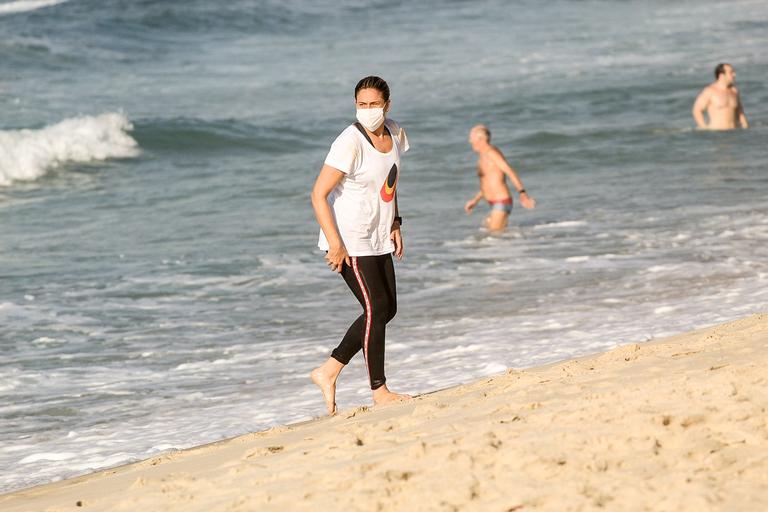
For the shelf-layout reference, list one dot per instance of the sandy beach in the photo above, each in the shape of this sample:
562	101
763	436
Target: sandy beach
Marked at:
676	424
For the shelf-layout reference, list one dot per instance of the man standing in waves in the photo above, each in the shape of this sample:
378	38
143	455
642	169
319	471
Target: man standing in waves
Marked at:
493	169
721	101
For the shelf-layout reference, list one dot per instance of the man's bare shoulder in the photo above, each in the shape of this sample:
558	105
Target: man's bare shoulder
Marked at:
495	151
702	100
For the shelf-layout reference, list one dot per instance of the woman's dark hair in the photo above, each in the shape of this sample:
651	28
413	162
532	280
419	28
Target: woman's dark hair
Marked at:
720	69
373	82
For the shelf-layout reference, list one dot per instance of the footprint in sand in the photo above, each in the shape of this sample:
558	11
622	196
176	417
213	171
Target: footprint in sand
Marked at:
262	451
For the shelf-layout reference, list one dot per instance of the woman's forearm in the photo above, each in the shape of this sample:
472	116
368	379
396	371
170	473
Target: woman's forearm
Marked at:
325	219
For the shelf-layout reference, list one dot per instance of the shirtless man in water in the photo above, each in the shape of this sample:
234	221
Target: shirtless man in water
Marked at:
492	169
721	101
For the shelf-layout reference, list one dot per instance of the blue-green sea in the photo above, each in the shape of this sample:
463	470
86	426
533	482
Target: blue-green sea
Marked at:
159	282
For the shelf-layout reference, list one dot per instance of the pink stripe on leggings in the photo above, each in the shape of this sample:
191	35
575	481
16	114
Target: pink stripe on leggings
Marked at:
368	313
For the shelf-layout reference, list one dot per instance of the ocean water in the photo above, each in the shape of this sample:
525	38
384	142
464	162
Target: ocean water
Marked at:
159	282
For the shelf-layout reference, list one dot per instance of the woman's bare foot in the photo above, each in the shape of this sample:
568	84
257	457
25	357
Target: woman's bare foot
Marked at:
324	377
383	396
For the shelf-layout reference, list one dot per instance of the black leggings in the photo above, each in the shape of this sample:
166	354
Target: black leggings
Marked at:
372	280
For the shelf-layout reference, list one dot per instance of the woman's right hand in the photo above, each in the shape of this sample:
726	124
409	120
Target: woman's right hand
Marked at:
336	257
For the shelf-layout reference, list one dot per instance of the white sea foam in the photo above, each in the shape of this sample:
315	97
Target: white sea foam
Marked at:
27	5
562	224
48	457
26	155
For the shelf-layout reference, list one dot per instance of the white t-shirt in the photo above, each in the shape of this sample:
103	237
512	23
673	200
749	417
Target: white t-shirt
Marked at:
363	202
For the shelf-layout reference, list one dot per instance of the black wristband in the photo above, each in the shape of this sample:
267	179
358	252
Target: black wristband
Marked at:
522	191
399	220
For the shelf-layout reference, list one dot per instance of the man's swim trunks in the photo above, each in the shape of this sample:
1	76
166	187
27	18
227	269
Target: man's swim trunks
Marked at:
504	205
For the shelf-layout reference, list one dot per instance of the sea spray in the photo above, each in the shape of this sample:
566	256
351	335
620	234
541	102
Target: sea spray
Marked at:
26	155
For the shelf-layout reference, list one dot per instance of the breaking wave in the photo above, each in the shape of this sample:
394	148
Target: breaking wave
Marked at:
26	5
26	155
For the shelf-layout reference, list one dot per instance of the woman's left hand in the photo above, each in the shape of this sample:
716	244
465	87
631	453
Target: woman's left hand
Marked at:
397	239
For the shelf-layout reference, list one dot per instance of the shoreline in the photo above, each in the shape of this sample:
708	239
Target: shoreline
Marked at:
678	423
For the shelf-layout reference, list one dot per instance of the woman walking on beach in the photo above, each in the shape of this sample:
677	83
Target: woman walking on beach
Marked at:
355	202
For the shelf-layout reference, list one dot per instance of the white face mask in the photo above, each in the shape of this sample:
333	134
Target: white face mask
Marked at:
371	118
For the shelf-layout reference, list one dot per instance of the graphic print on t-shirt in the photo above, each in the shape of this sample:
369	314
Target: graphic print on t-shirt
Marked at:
390	184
